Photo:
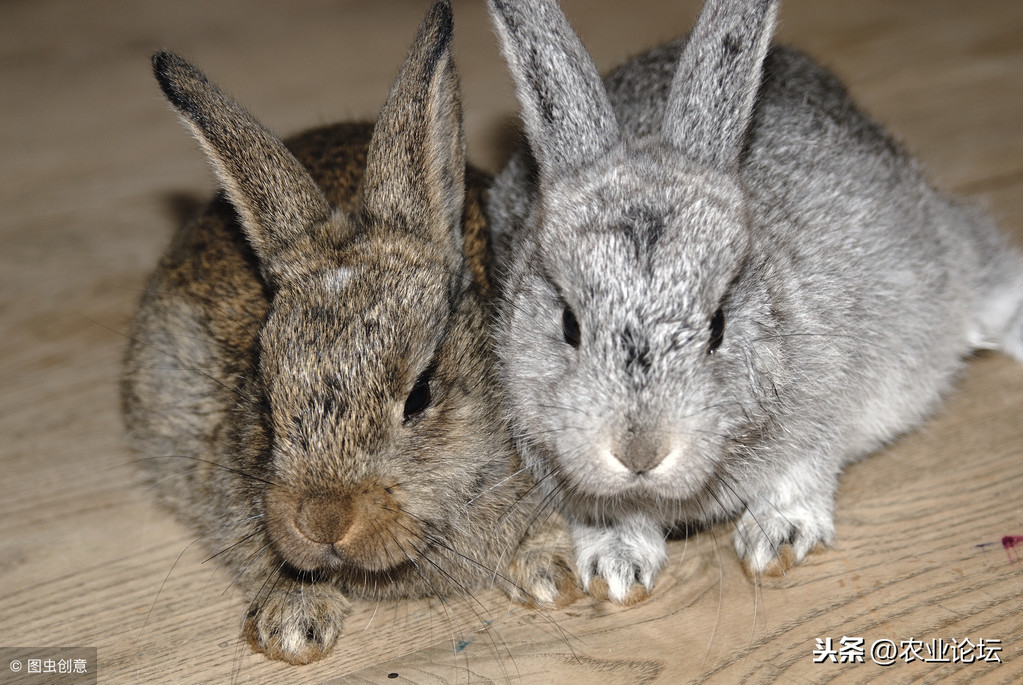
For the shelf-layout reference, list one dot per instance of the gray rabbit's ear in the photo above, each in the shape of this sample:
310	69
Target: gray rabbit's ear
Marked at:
277	200
565	108
717	79
415	167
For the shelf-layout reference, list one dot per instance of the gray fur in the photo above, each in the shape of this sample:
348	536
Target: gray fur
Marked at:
851	292
568	114
279	346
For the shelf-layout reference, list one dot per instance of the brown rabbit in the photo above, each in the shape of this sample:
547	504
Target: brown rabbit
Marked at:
310	380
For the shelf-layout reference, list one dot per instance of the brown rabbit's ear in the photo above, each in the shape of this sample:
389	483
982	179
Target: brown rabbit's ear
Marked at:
415	167
277	200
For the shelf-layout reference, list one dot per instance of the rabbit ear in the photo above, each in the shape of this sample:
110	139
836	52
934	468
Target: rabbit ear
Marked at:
278	202
415	167
717	79
565	108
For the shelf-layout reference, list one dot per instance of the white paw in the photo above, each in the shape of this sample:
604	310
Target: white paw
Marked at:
770	541
620	562
300	625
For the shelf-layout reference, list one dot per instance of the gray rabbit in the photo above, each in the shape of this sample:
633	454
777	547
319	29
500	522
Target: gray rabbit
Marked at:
310	382
723	283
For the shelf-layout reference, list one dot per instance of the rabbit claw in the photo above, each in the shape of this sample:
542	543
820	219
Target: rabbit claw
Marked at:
620	562
297	626
771	541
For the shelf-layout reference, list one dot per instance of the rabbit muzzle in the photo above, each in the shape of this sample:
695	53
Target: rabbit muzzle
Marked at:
363	526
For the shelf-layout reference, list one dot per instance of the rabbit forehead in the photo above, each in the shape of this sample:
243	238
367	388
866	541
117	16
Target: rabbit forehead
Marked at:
635	234
359	331
371	298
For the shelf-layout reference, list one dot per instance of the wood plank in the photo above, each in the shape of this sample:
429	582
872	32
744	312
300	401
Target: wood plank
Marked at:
94	174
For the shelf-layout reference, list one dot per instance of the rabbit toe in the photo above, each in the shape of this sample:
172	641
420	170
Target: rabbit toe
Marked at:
770	544
543	580
300	626
620	563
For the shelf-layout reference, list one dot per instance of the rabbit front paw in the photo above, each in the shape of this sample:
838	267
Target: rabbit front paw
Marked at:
300	625
622	561
770	541
542	579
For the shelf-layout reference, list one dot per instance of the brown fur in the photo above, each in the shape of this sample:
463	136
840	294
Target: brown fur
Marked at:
279	347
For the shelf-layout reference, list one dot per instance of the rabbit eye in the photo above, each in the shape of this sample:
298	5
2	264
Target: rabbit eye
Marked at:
570	327
717	331
419	399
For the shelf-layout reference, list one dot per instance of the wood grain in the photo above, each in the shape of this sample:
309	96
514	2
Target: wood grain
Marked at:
96	173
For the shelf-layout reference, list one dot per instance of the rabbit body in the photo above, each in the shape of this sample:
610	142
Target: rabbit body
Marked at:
310	380
723	291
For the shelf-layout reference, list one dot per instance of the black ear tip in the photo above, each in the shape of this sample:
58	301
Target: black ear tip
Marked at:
164	63
442	18
442	14
160	59
173	73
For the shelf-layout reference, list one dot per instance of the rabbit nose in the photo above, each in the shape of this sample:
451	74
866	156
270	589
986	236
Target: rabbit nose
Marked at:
640	453
360	525
324	519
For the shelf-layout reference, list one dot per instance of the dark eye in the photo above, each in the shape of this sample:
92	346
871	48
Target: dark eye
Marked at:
717	331
419	399
570	327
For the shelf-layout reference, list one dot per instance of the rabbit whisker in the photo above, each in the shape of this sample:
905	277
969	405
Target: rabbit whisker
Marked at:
466	595
247	563
260	599
212	463
497	484
515	503
177	559
448	609
239	542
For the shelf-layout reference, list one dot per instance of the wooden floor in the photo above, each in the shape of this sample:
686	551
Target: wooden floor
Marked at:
95	173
